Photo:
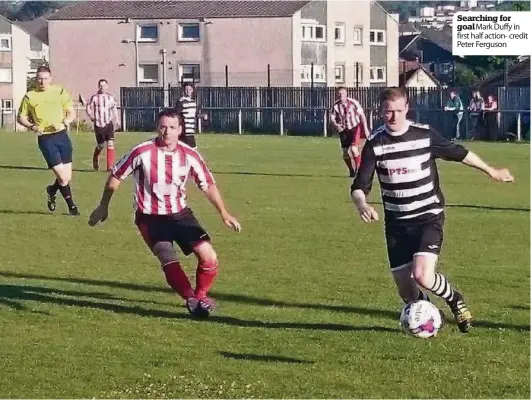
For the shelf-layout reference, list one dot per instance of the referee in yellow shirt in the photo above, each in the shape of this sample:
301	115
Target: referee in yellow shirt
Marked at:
47	111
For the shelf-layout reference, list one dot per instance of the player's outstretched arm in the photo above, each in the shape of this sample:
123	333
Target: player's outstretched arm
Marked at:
101	212
498	174
213	195
362	184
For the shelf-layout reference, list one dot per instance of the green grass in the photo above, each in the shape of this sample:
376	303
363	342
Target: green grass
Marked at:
307	307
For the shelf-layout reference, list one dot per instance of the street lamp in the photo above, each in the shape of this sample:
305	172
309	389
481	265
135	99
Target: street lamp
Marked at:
135	43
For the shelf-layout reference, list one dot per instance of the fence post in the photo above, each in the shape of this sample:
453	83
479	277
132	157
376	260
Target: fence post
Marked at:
325	123
200	123
519	127
124	120
240	121
467	117
281	122
371	119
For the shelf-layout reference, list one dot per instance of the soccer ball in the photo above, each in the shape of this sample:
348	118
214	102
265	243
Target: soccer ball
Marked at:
421	319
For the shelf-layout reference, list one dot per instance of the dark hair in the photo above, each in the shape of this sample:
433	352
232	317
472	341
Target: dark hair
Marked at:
102	80
43	68
188	84
172	113
393	93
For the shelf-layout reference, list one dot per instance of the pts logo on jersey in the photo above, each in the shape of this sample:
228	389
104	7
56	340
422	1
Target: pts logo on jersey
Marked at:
400	171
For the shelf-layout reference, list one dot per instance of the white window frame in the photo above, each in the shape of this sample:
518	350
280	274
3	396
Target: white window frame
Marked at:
8	38
141	78
319	73
357	36
193	80
146	40
308	32
339	27
180	37
9	72
339	73
374	73
7	106
359	78
375	42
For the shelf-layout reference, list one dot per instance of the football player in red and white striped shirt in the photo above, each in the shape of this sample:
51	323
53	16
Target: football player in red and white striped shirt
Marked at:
103	111
161	167
348	118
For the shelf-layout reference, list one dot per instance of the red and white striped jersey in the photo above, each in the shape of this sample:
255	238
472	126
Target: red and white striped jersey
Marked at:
347	114
161	175
101	106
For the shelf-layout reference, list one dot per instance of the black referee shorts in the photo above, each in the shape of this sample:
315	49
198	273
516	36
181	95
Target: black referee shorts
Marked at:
405	239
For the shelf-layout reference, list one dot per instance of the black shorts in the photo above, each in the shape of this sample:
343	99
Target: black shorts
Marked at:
182	228
189	140
350	137
104	134
56	148
404	240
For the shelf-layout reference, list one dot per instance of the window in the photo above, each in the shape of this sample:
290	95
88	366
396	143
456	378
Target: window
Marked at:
339	73
358	72
313	33
339	33
147	33
6	75
5	43
189	73
357	36
7	106
189	33
148	73
319	73
378	74
377	37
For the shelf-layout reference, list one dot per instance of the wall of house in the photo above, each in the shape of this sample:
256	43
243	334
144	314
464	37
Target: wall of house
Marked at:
420	80
246	46
6	88
21	64
392	51
312	51
351	14
379	52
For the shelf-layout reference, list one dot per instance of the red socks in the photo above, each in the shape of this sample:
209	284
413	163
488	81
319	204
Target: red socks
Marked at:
110	155
178	280
204	278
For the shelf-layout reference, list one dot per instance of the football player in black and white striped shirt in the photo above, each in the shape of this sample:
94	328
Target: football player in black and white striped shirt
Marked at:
403	156
187	106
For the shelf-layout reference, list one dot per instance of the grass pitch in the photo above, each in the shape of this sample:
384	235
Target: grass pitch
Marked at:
307	307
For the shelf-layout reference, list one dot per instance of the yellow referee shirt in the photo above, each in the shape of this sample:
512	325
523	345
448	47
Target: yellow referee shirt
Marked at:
46	108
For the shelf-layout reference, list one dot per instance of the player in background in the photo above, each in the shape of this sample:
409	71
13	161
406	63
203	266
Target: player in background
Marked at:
187	105
161	167
48	111
403	155
103	112
348	118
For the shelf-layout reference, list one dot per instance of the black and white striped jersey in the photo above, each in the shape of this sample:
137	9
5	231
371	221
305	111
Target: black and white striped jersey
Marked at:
188	107
406	169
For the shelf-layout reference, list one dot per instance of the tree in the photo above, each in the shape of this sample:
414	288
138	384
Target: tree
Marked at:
464	76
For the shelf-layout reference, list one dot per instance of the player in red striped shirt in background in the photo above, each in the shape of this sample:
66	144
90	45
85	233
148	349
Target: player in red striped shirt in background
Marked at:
161	167
348	118
103	111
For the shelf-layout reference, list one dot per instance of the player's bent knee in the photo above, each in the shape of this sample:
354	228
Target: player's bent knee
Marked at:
165	253
100	146
207	257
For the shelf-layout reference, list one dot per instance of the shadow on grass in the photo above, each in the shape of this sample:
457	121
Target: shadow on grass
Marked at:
33	168
248	173
10	294
474	206
228	297
31	212
263	358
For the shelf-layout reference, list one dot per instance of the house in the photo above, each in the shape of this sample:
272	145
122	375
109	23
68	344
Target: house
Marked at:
433	49
38	30
418	77
215	43
17	50
517	76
